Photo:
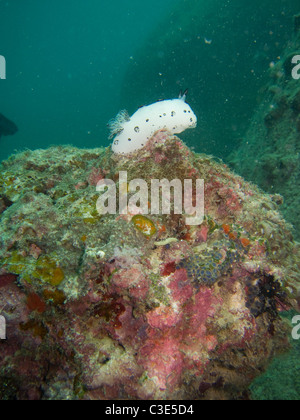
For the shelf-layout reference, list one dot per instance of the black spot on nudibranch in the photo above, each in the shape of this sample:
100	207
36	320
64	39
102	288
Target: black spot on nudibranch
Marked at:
173	113
191	119
129	139
147	120
184	110
137	129
116	142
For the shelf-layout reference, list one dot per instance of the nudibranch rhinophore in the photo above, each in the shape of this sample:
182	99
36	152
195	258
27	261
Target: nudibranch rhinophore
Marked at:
132	133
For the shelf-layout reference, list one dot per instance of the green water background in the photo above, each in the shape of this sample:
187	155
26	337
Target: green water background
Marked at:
72	65
65	61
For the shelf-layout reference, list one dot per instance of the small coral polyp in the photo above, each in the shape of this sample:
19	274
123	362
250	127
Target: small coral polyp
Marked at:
142	307
144	225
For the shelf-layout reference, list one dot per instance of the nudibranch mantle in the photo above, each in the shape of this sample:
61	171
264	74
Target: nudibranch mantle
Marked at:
132	133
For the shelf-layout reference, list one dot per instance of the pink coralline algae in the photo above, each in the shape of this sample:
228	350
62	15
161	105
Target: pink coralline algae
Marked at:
6	279
95	176
188	312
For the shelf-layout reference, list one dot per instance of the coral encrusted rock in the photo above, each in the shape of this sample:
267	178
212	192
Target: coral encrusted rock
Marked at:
133	306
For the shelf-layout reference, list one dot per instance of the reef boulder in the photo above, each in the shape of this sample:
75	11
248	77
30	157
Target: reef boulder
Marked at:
96	308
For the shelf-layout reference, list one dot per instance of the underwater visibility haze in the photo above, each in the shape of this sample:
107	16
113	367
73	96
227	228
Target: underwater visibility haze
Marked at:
149	200
65	63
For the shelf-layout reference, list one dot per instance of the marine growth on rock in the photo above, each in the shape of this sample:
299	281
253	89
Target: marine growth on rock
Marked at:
135	306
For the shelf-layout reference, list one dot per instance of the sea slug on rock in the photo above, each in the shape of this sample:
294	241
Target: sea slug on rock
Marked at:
132	133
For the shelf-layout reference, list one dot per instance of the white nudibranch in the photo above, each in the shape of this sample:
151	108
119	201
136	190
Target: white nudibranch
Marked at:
132	133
